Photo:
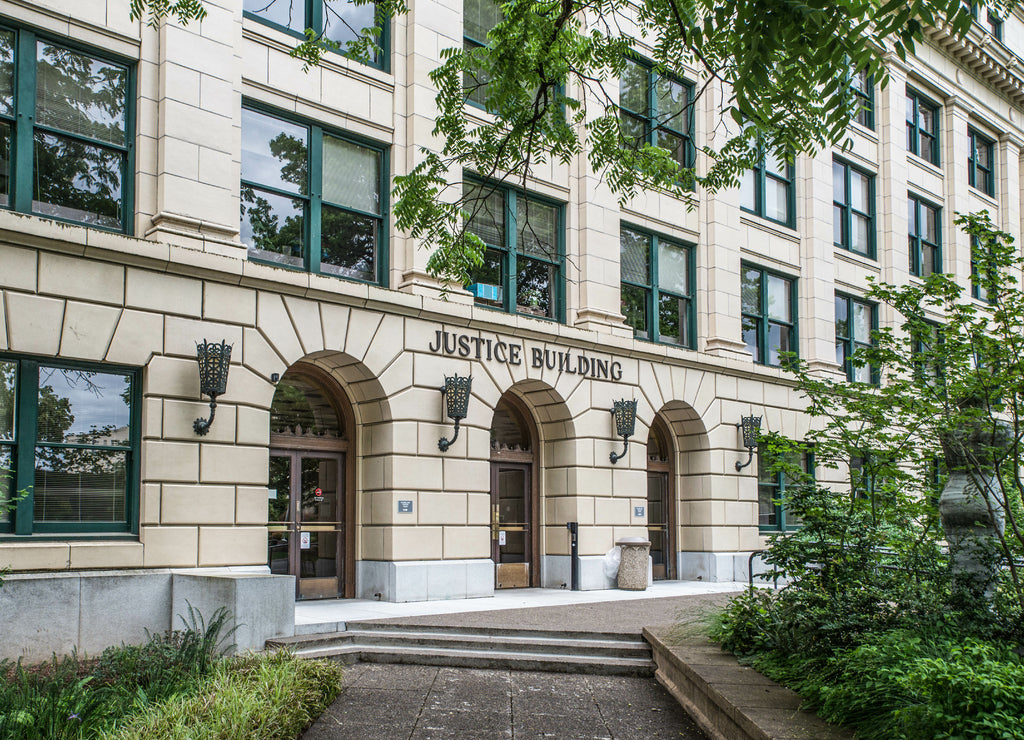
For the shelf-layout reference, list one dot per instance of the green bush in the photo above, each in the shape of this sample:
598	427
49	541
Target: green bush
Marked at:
269	697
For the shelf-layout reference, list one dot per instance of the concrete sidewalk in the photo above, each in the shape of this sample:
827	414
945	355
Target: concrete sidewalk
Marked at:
331	615
407	702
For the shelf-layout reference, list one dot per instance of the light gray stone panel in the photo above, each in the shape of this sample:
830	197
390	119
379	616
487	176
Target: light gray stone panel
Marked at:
39	615
261	605
121	608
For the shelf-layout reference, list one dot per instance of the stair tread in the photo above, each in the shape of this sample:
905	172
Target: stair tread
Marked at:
489	654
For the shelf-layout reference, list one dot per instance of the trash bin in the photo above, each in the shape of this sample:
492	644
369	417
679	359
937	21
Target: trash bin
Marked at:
633	564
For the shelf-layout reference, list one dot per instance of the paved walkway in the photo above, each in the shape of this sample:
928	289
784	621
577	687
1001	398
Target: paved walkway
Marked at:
392	702
406	702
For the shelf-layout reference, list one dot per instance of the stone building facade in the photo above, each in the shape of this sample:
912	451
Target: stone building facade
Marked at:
132	150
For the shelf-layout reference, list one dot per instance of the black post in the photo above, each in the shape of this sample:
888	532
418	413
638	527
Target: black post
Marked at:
574	554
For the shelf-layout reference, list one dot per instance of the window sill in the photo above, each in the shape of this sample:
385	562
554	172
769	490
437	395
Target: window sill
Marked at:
856	258
982	195
924	164
861	130
772	227
336	61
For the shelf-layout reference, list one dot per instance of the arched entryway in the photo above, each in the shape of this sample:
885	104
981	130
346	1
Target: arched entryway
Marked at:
514	493
661	500
310	509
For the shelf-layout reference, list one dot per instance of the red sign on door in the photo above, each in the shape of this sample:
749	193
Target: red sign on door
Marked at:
318	494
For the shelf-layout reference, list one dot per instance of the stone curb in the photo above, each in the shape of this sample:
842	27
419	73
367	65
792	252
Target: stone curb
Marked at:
731	701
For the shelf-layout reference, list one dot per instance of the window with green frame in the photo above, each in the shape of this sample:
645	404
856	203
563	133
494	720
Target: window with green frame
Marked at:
767	190
69	439
312	199
340	21
863	86
926	349
853	209
978	289
523	270
855	320
774	477
989	20
925	243
656	109
769	314
922	127
657	287
980	172
66	131
478	18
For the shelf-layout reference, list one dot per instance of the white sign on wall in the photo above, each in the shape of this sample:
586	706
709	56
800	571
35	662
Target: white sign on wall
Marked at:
304	540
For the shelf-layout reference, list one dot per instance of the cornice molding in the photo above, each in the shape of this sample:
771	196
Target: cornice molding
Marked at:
984	57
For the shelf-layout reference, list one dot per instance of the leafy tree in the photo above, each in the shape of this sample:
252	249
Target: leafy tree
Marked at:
780	71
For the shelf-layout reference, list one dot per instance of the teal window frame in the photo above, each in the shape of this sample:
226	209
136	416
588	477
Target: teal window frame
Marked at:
771	491
863	86
653	293
649	117
992	23
476	96
23	126
921	346
314	202
848	212
22	518
850	342
977	289
978	176
917	244
761	176
314	19
509	251
761	320
919	142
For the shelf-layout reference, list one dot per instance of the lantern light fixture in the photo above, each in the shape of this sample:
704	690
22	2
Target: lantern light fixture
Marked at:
214	361
456	392
625	423
751	426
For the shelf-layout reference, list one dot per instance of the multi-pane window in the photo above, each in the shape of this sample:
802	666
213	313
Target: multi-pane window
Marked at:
340	21
657	287
479	17
978	289
523	266
924	241
69	439
927	350
774	478
312	199
769	314
863	86
767	189
980	172
65	132
989	20
656	109
922	127
853	209
855	321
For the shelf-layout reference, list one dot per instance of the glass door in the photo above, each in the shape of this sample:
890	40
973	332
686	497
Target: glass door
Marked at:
511	531
658	524
305	521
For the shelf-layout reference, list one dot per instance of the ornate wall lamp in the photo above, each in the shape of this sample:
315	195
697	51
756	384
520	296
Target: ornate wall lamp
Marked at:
214	362
625	423
751	426
456	395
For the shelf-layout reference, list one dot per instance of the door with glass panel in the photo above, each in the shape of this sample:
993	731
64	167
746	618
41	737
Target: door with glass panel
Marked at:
511	530
306	537
660	501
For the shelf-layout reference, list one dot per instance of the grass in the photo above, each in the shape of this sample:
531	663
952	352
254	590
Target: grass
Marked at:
176	685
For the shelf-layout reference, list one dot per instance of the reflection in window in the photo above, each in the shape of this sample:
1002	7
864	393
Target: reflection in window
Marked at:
980	169
657	287
340	21
769	314
855	321
767	189
924	246
776	475
301	409
922	127
82	447
478	18
331	222
655	110
73	108
523	258
853	209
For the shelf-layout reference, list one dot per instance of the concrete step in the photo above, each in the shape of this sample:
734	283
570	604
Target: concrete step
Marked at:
536	650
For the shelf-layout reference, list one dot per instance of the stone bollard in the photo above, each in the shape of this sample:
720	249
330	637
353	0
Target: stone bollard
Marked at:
633	565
